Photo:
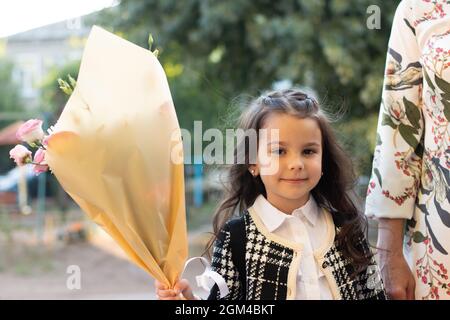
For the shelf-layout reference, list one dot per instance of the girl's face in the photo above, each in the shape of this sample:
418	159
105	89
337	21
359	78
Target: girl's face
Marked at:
297	153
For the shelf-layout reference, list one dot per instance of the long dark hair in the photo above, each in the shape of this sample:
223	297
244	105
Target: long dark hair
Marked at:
333	191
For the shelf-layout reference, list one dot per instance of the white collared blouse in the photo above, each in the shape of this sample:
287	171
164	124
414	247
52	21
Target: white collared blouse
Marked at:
306	225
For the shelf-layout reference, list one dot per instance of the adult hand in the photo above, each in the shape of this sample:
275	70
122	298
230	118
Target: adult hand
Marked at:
397	276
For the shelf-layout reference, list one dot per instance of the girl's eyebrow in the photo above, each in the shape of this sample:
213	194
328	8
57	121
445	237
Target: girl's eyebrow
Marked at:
276	142
312	144
309	144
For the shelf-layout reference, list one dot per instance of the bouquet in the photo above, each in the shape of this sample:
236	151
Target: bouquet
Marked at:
112	150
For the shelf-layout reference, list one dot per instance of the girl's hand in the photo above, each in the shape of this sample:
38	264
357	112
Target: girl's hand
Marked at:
181	291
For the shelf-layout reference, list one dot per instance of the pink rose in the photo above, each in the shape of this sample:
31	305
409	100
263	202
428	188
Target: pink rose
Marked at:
31	131
40	165
37	168
45	141
39	157
20	154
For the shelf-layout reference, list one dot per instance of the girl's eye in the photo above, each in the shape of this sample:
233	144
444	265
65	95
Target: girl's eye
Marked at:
309	151
279	151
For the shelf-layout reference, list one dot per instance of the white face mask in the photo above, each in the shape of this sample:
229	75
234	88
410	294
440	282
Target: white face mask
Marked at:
198	272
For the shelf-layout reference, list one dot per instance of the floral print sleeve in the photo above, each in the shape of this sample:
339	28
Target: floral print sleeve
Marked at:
411	168
398	154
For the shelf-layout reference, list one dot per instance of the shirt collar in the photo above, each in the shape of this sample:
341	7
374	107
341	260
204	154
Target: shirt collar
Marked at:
309	211
273	218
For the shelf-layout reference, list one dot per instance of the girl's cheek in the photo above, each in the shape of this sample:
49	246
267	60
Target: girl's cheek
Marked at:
270	167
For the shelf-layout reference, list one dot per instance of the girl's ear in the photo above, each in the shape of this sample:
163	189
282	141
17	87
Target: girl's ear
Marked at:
253	170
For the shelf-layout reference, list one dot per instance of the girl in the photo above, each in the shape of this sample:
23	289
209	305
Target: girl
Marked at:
299	235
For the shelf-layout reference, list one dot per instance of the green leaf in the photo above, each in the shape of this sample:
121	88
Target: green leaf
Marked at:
387	120
377	173
446	104
150	41
427	78
72	81
411	223
64	86
412	112
32	144
418	237
419	150
378	140
407	133
442	84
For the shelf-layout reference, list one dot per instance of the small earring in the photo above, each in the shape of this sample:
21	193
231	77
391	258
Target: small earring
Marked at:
253	172
322	173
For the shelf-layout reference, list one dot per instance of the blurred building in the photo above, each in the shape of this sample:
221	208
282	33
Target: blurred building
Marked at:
35	52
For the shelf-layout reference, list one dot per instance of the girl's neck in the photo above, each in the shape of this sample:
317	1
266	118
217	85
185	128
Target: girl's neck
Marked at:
287	206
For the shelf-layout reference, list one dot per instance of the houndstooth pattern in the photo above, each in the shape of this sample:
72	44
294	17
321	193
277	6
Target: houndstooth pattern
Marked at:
367	285
222	263
267	267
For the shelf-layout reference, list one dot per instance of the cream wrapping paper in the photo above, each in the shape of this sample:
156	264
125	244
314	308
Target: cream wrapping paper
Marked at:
111	151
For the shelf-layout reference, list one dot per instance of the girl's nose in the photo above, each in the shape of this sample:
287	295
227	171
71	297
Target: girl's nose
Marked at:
296	163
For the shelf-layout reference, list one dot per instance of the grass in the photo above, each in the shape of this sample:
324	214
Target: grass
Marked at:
27	260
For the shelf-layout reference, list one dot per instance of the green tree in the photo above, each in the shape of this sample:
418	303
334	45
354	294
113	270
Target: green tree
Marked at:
10	101
247	45
242	46
53	99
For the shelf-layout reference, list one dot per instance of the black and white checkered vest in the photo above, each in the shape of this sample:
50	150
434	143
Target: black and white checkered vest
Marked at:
270	271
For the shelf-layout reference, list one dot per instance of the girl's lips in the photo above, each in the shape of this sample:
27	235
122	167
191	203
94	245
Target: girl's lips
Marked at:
294	180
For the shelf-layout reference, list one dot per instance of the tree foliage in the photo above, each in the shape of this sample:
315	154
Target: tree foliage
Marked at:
9	90
247	45
242	46
10	102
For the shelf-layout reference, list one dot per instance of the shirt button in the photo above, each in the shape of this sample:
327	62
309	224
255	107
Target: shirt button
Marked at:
289	291
324	264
